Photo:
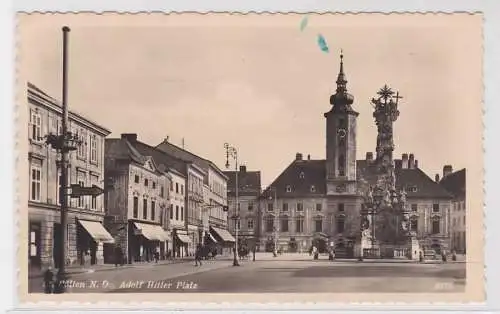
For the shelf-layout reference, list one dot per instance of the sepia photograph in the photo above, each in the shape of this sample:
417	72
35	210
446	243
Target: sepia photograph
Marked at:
253	155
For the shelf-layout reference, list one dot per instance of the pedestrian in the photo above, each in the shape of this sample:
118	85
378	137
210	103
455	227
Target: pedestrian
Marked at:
157	256
48	280
118	256
315	252
197	255
454	255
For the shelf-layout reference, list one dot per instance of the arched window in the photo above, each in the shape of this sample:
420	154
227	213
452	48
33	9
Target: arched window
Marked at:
436	225
340	224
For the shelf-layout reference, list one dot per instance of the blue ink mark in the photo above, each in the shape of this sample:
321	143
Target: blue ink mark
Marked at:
303	24
322	44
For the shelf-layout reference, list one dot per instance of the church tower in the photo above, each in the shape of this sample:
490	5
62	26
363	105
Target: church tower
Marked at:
341	140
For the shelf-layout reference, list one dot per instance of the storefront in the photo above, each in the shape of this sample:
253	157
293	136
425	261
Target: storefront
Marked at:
90	237
145	240
181	243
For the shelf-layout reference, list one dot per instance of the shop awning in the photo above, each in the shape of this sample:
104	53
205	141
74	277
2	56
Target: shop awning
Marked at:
224	235
212	237
183	238
97	231
151	232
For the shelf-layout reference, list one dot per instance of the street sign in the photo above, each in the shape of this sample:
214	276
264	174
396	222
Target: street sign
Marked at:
78	190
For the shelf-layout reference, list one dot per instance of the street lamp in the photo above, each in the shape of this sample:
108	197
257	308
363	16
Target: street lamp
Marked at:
232	152
63	143
276	225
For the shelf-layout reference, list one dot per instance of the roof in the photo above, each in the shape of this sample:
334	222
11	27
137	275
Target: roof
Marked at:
455	183
118	148
248	182
161	158
301	175
183	154
41	98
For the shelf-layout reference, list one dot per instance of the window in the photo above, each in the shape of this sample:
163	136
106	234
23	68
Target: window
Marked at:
454	222
153	210
36	182
177	188
270	207
301	175
136	206
414	224
299	225
171	187
136	179
319	225
341	207
82	153
93	203
81	200
146	182
238	223
250	206
319	207
463	219
342	123
250	224
288	189
176	212
154	185
300	207
285	207
182	189
93	148
313	188
162	191
269	224
341	165
414	207
36	126
182	213
435	226
145	209
435	207
340	225
284	224
171	211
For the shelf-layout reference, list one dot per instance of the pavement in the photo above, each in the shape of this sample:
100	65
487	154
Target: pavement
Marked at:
281	274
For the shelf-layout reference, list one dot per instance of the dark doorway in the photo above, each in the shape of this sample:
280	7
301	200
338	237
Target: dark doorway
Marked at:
320	244
57	244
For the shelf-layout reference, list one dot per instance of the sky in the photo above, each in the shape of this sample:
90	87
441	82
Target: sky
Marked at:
261	84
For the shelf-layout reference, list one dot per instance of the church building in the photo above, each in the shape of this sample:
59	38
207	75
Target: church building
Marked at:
318	202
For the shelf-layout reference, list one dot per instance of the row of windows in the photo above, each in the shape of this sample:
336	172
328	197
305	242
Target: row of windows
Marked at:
144	209
458	221
300	207
250	224
459	206
195	184
148	183
89	142
178	210
179	188
218	188
89	202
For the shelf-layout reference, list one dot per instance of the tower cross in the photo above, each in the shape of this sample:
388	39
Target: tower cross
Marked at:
398	97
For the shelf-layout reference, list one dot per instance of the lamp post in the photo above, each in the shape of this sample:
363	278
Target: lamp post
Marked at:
63	143
276	225
233	153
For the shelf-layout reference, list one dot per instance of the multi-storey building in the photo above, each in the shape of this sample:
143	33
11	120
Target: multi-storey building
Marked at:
177	204
249	190
85	231
455	183
138	200
318	202
206	212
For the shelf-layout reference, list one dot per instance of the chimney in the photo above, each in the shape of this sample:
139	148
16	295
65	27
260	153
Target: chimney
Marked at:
166	139
416	164
448	169
411	162
298	156
308	157
369	156
437	177
131	137
243	168
404	162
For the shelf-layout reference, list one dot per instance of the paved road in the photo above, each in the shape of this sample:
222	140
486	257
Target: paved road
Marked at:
277	276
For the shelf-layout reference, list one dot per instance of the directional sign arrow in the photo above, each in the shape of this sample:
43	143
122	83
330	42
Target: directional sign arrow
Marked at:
78	190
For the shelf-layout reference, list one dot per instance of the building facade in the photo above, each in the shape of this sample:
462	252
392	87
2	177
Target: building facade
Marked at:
318	202
177	204
247	209
86	234
206	210
455	183
137	201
